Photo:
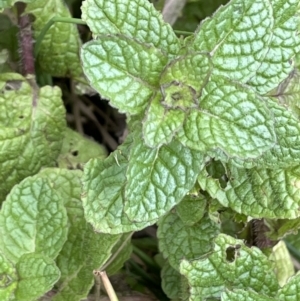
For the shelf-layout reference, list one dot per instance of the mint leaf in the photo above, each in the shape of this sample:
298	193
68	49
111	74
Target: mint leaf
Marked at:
137	19
291	291
33	219
178	241
257	192
103	193
37	275
231	118
59	50
230	265
243	295
77	150
158	179
123	70
8	279
32	127
161	124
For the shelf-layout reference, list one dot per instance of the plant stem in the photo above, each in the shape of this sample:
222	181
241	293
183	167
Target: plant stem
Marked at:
47	27
108	287
185	33
148	260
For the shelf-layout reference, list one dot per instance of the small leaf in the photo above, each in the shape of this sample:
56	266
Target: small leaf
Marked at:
291	291
33	219
257	192
37	275
32	127
123	70
231	118
8	279
137	19
158	179
230	265
59	50
178	241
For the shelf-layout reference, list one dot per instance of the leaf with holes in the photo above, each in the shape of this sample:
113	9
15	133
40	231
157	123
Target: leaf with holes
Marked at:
230	265
123	70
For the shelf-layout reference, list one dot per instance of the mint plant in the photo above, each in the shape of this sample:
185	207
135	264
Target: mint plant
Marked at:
212	155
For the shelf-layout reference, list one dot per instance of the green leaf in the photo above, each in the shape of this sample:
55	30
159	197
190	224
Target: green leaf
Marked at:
158	179
103	193
77	150
282	263
230	265
243	295
191	209
252	41
231	118
123	70
137	19
178	241
32	127
37	275
161	124
59	50
257	192
8	279
33	219
291	291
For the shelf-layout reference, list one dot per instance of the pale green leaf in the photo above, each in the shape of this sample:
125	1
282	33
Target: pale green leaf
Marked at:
137	19
291	291
178	241
123	70
59	50
77	150
33	219
191	209
231	118
103	194
37	275
32	127
243	295
158	179
8	279
251	41
257	192
230	265
161	124
282	263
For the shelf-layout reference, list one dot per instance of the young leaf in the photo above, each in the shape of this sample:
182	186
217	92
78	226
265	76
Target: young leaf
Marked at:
37	275
123	70
230	265
59	50
32	127
158	179
291	291
257	192
231	118
178	241
33	219
8	279
137	19
103	194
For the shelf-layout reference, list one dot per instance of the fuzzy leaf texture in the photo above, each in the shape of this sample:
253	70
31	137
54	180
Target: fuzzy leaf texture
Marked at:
230	265
32	127
252	41
123	70
257	192
59	50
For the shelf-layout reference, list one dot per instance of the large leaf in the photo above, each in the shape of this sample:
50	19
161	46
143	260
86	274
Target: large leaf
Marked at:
178	241
33	219
123	70
251	41
230	265
257	192
32	127
59	50
158	179
137	19
231	118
